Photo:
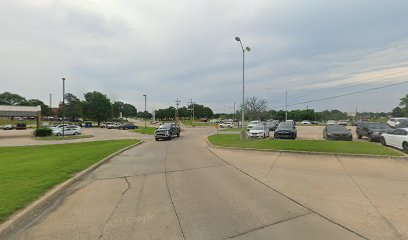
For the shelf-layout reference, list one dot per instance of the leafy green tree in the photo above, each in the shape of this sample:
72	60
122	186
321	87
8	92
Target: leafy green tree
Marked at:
73	107
8	98
97	106
397	112
45	109
404	104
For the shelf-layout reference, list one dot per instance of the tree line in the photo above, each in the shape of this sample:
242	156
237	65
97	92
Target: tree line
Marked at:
96	106
200	111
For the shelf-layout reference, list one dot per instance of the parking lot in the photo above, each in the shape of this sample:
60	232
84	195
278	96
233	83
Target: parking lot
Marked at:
25	137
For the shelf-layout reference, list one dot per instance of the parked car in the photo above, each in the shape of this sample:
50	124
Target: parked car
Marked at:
292	122
68	130
305	122
315	122
105	124
372	130
397	138
337	132
252	124
331	122
393	122
7	127
259	131
114	125
167	131
285	130
272	124
21	126
402	123
226	125
56	126
126	126
342	122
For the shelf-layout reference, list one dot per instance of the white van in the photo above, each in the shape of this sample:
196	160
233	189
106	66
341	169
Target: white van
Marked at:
395	121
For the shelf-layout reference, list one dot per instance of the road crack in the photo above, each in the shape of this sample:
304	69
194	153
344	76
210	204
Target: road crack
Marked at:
116	207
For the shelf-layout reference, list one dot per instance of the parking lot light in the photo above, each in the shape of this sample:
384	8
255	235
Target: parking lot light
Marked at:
243	133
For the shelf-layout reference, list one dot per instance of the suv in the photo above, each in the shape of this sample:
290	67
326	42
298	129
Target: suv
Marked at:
167	131
225	125
21	126
372	130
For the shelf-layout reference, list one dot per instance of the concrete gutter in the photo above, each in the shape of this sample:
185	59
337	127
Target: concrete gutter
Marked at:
35	208
312	153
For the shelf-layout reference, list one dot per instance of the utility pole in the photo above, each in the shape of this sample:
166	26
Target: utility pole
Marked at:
192	110
63	107
144	95
286	112
234	110
50	107
177	104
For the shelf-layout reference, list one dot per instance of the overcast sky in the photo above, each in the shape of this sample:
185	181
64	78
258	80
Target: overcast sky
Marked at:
186	49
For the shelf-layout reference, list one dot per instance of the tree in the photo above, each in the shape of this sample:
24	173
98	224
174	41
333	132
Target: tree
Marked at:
397	112
45	109
8	98
73	107
404	103
97	106
254	107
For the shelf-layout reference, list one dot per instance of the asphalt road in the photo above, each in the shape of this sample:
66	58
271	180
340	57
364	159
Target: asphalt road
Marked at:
180	189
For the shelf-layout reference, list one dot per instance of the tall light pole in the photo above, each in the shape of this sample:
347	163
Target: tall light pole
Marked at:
144	95
286	106
243	133
63	106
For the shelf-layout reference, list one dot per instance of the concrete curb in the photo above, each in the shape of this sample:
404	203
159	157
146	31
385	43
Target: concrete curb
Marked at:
35	208
311	153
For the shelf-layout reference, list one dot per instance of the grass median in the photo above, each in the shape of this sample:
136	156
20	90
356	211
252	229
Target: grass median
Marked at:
28	172
70	137
147	130
352	147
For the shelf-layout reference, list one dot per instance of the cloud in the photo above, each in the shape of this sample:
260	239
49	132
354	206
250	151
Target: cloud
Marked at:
185	49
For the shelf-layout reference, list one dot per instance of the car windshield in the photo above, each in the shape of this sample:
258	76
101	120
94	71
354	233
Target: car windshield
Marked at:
285	125
166	125
378	126
337	128
258	127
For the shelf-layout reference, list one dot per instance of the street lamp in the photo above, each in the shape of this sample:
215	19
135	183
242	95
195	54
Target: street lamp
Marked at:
144	95
63	107
243	133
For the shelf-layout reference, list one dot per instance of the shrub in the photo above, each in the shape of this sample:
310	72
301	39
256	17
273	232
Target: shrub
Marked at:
42	132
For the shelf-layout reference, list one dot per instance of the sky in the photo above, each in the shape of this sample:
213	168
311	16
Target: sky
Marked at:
184	49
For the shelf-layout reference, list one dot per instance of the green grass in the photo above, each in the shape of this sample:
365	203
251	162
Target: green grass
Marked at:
28	172
232	140
142	130
230	129
197	123
70	137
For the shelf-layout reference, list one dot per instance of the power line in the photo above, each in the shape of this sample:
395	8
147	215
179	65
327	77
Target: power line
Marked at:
346	94
321	91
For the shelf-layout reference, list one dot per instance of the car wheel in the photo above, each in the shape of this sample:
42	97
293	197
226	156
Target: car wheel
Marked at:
156	139
170	136
358	136
382	141
75	133
58	134
405	147
178	134
370	138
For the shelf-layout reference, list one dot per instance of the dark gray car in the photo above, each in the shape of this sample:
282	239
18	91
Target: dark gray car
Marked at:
167	131
337	132
372	130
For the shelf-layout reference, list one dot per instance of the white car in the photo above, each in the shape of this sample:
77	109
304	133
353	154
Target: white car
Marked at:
68	130
305	122
252	124
395	121
59	126
113	125
397	138
226	125
259	131
331	122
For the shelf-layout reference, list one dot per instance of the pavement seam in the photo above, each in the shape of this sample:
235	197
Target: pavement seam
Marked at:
390	225
139	202
168	190
286	196
273	164
116	207
269	225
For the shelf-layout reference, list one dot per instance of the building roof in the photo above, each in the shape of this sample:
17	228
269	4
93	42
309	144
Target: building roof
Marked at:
19	111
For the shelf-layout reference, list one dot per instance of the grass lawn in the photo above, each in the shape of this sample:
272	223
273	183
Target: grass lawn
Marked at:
230	129
70	137
353	147
197	123
142	130
28	172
